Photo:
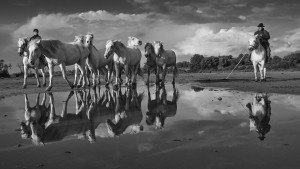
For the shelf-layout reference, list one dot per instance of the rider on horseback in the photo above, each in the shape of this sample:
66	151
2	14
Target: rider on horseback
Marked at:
35	35
264	36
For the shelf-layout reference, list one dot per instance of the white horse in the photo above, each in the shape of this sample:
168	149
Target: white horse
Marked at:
59	53
258	57
128	57
97	62
163	59
23	51
259	115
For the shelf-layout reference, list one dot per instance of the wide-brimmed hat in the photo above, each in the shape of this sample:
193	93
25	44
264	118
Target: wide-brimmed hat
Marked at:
36	30
260	25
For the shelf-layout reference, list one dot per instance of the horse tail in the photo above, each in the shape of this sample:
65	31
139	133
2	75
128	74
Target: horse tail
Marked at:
175	71
140	72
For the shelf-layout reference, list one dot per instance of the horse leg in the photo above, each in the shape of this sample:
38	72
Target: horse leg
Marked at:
76	74
265	72
63	71
37	101
44	99
88	70
117	72
255	71
25	76
98	76
36	74
126	67
50	66
164	74
147	82
157	75
27	106
44	77
136	69
109	72
174	74
261	69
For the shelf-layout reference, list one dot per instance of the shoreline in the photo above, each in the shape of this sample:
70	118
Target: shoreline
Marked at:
277	82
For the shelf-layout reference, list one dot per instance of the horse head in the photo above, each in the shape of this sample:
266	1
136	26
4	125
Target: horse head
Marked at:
79	39
22	44
89	39
253	42
109	48
34	49
158	48
149	50
133	41
113	47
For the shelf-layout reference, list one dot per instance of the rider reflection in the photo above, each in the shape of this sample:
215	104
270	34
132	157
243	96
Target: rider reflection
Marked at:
259	115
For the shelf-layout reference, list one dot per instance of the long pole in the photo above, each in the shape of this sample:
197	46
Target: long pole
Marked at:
235	67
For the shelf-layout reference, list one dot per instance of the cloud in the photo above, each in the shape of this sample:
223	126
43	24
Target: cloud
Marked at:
223	42
242	17
208	107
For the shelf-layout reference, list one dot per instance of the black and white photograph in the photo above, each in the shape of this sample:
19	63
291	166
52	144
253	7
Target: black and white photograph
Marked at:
149	84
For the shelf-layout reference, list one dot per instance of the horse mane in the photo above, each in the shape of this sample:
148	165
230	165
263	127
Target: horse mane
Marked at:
150	45
119	43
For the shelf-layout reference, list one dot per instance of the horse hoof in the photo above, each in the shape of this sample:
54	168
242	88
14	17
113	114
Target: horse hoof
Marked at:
115	87
24	86
48	89
256	80
133	85
72	86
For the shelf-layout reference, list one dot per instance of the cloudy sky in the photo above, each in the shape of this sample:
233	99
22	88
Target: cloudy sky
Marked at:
188	26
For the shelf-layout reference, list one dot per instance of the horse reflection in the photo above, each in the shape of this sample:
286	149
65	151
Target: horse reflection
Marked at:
101	109
57	127
260	113
35	117
160	108
128	113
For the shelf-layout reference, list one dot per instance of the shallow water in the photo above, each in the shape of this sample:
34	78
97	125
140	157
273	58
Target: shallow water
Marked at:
183	127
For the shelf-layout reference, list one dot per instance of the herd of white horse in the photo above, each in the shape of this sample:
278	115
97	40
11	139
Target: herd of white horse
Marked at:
114	58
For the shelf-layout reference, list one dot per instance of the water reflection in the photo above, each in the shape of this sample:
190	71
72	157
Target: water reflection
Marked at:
35	118
260	114
160	108
119	112
128	112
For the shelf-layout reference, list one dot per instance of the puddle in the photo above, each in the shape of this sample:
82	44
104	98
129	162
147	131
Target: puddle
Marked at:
187	126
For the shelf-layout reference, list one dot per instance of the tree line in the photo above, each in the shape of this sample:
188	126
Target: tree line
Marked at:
199	63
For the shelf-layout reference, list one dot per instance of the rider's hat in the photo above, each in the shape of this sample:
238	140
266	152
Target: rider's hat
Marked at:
36	30
260	25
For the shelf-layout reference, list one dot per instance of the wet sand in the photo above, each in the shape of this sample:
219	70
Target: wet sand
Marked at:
277	82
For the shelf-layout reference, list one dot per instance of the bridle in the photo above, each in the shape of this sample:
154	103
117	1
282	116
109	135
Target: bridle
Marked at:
22	47
255	46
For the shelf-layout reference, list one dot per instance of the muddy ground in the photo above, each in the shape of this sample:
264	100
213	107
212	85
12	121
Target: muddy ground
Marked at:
277	82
